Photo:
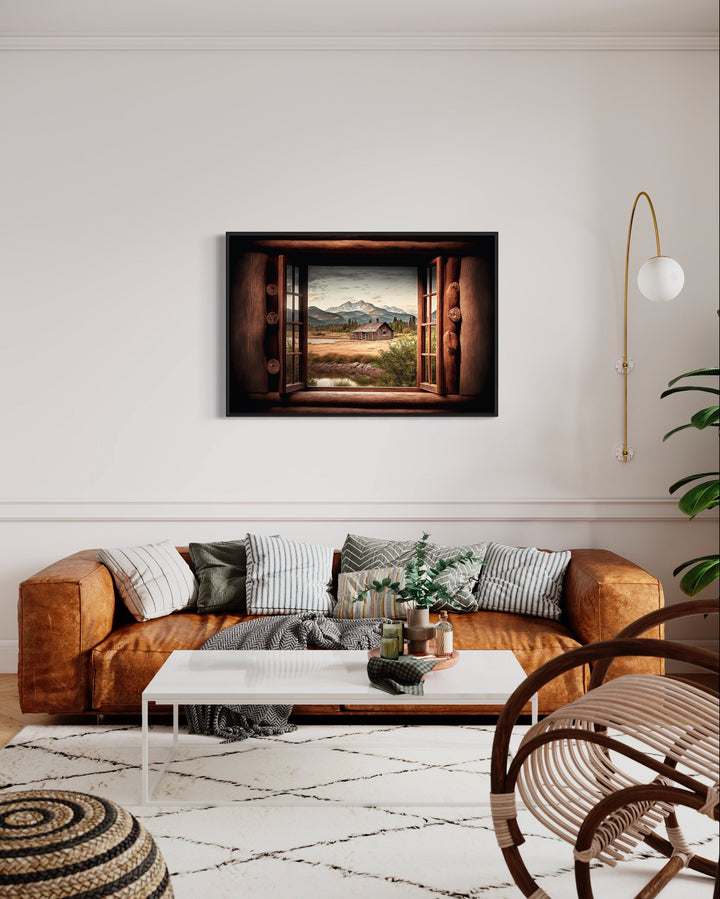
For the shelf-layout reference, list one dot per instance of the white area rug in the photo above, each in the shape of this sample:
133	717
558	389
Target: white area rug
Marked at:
229	845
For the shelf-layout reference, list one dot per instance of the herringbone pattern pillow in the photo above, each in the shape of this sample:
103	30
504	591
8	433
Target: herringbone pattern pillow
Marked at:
460	581
362	553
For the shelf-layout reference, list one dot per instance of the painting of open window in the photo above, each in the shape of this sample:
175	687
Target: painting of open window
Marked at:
361	324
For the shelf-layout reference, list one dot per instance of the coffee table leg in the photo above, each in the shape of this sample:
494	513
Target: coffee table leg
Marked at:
175	726
145	773
534	709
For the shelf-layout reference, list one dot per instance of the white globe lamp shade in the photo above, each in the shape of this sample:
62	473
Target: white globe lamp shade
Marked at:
661	279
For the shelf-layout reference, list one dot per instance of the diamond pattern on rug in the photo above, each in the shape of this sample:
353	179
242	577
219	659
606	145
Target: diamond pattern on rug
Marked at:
326	850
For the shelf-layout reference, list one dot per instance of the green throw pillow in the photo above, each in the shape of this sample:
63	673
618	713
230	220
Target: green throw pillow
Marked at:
221	571
460	581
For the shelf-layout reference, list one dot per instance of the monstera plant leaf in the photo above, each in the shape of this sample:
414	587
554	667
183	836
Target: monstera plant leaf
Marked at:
702	496
712	372
705	571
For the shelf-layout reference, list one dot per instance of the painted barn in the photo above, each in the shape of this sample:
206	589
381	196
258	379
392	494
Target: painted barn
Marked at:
376	330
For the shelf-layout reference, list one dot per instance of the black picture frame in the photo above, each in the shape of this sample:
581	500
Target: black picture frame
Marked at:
274	356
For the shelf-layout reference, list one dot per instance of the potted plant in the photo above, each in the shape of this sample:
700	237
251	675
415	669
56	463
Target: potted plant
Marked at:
423	588
703	494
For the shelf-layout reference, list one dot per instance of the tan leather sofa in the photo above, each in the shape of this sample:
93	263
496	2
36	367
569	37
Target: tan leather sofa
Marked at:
81	651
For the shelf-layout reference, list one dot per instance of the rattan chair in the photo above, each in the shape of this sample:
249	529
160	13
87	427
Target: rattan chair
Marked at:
607	770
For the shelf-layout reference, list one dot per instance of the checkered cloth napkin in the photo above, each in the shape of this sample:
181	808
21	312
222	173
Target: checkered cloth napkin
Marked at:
403	675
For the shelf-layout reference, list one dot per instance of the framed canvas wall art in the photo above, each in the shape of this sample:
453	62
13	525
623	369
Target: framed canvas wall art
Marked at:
332	324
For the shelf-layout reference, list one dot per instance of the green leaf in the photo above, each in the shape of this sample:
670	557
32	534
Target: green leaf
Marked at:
699	372
677	570
692	477
701	576
706	417
675	430
700	498
672	390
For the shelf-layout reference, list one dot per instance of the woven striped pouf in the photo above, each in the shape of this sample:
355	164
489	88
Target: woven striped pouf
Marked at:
55	843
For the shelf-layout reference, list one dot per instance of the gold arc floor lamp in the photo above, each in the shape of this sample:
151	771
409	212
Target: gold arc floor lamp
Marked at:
660	279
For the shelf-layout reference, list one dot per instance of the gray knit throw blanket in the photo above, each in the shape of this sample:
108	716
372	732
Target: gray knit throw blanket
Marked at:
238	722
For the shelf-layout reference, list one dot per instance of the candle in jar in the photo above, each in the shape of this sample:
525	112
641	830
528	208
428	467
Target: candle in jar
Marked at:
389	648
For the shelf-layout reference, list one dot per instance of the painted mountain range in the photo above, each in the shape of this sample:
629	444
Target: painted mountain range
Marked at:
357	310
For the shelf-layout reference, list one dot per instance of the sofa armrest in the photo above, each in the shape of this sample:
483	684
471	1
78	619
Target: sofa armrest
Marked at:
63	612
603	593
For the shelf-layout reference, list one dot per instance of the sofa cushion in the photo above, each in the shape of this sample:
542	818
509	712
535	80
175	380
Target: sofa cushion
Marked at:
534	642
127	660
525	581
221	570
153	580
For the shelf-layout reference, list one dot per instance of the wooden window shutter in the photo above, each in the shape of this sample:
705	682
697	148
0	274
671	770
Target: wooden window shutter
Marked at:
292	310
430	327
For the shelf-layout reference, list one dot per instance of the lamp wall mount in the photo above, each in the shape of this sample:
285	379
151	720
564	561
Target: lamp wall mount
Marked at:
660	279
623	365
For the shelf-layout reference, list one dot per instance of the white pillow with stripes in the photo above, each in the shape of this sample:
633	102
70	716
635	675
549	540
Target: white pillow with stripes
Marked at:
524	581
377	603
285	577
153	580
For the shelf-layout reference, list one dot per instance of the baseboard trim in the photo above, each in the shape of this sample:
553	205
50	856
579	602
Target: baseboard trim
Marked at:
344	41
8	656
598	510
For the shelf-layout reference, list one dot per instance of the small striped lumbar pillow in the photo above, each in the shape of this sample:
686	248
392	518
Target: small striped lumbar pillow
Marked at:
377	604
285	577
153	580
524	581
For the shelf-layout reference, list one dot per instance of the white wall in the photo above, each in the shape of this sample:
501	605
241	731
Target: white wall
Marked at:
121	171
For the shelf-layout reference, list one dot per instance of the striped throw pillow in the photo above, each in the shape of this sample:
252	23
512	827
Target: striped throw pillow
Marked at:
382	604
285	577
153	580
524	581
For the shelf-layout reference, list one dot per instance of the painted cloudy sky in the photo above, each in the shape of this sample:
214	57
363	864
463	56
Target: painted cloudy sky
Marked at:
333	285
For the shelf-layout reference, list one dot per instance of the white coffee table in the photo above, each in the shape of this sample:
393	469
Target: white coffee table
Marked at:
320	677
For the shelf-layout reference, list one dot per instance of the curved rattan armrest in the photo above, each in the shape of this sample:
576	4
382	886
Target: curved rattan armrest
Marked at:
593	652
651	620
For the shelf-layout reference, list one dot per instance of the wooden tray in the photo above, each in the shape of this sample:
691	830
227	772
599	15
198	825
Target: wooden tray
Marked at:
445	661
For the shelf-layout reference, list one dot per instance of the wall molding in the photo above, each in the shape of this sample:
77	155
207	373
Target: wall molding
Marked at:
474	41
574	510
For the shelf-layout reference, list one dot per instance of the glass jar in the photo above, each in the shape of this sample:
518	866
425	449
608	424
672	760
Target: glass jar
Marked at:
443	636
